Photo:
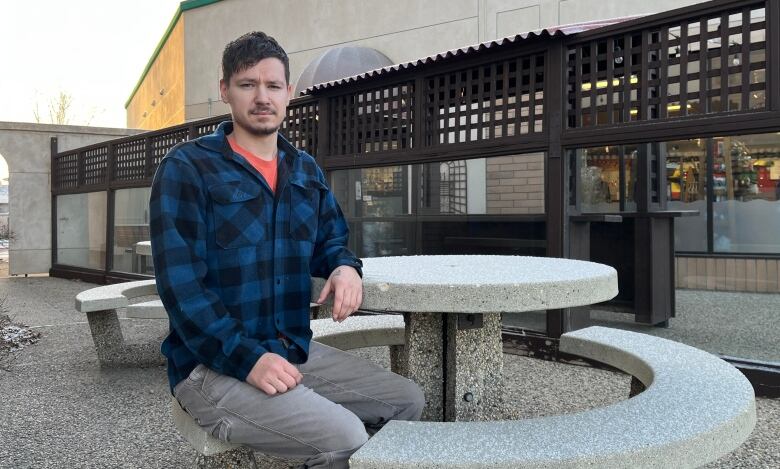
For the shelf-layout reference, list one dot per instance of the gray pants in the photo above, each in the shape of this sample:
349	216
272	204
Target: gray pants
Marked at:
322	421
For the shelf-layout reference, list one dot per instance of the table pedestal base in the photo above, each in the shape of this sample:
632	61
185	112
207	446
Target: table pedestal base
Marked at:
460	369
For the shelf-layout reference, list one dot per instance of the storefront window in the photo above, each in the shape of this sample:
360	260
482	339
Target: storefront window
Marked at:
503	185
746	210
373	200
383	238
131	225
81	230
421	209
630	168
598	179
686	189
373	192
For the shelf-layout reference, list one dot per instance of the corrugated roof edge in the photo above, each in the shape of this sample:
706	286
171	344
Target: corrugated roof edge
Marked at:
183	6
557	31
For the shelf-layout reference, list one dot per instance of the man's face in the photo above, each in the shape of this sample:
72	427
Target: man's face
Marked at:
258	97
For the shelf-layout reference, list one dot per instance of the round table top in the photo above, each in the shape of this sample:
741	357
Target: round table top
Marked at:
481	284
143	248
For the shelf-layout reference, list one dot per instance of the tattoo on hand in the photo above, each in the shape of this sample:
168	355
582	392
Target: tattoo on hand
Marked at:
337	272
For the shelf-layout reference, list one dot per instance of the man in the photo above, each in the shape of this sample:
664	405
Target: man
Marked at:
240	220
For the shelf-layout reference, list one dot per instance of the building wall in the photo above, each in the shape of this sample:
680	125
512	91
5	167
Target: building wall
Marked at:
728	274
27	150
188	65
515	184
403	30
159	101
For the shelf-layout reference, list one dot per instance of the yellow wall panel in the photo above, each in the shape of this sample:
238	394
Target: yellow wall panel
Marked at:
159	100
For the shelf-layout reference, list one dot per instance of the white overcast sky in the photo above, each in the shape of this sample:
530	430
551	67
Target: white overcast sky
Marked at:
95	50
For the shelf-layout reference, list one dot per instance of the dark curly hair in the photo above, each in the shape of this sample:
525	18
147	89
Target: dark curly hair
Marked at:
250	49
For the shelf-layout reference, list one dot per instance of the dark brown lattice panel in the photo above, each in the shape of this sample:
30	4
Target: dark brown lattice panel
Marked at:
95	165
162	144
66	171
704	65
130	160
502	99
300	126
205	129
374	120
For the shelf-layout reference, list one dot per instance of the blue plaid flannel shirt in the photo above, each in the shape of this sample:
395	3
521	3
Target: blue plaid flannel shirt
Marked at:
233	261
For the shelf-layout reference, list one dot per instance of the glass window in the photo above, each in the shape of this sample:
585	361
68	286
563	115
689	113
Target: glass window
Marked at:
630	168
81	230
373	199
382	238
686	189
598	179
746	210
131	225
421	209
373	192
503	185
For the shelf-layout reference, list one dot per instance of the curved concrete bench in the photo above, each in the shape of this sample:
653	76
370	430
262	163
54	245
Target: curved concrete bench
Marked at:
355	332
696	408
100	305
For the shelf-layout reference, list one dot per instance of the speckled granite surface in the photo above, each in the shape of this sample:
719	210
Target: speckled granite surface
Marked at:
60	409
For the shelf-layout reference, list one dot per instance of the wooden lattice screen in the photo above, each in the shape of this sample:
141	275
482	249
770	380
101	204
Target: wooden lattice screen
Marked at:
95	165
130	160
161	144
501	99
300	127
374	120
205	128
703	65
135	159
66	171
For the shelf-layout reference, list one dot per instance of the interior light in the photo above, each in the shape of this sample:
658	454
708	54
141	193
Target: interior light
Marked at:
603	83
676	107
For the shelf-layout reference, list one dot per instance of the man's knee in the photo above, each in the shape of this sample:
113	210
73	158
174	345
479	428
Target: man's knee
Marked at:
349	433
413	402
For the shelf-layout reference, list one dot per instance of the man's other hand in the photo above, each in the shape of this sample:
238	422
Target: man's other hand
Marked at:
347	288
272	374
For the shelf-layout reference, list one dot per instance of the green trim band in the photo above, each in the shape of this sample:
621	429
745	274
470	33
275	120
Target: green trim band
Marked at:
183	6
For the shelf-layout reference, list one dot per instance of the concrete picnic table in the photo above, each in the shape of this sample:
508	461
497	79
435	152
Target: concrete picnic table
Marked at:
452	309
143	248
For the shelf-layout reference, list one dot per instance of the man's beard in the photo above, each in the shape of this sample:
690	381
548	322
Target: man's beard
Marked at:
262	130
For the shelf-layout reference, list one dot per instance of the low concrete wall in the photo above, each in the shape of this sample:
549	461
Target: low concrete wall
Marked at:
27	150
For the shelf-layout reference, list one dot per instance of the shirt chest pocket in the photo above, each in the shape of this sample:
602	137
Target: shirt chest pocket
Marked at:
239	214
305	209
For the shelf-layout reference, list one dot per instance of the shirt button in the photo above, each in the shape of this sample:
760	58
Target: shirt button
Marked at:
278	281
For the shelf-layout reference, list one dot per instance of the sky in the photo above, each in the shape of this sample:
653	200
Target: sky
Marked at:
93	50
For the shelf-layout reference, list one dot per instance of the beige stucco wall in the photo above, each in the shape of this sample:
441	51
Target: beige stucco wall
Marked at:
403	30
161	95
27	150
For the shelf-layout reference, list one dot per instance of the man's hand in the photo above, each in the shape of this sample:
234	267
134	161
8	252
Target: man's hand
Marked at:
273	374
347	287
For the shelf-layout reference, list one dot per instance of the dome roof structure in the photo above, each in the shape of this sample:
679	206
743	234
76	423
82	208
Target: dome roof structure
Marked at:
340	62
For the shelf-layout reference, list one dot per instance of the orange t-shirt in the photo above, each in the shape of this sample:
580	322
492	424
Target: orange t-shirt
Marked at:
266	168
